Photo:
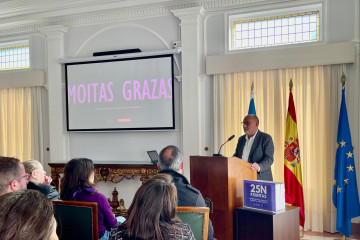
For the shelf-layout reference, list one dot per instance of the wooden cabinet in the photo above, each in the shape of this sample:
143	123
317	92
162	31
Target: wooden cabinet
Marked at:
251	224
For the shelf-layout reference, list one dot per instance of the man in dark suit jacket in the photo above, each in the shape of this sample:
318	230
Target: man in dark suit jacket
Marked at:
256	147
171	162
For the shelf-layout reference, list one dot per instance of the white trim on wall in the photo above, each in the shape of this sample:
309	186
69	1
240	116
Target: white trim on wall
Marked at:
325	54
19	79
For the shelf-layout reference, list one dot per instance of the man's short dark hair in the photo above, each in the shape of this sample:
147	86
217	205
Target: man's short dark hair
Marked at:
170	158
9	170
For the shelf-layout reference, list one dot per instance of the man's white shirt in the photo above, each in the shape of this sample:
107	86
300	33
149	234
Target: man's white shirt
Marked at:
248	144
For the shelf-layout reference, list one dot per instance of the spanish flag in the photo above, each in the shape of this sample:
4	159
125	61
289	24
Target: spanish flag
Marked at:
292	169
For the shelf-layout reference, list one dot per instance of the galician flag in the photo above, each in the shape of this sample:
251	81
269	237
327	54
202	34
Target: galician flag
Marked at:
345	191
292	169
252	110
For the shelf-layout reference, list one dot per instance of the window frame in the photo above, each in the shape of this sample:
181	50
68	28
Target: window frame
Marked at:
14	43
265	13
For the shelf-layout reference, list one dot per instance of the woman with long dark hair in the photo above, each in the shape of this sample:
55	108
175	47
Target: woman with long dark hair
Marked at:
152	214
78	184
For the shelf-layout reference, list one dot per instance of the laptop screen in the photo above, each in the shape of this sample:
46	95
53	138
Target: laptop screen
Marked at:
154	156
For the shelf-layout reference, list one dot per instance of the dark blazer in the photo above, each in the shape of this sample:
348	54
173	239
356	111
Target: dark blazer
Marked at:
188	195
46	189
262	153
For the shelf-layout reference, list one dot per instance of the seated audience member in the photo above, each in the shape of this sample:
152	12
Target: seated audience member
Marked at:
78	184
12	175
26	215
152	214
171	162
38	179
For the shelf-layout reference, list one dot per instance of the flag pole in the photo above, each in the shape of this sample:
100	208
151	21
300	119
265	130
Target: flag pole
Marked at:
252	110
288	155
301	229
342	80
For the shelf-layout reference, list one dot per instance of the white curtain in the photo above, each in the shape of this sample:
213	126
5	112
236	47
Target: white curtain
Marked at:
21	123
316	96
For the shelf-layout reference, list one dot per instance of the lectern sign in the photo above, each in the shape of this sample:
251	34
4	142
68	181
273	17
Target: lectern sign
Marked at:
264	195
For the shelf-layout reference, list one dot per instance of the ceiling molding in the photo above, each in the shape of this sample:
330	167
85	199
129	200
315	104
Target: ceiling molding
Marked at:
19	19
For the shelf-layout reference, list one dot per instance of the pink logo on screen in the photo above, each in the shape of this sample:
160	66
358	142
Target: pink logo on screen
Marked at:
121	120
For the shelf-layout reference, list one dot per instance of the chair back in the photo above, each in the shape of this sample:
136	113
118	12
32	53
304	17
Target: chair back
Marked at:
197	218
76	220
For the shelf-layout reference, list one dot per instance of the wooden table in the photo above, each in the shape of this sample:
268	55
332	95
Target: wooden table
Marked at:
251	224
111	171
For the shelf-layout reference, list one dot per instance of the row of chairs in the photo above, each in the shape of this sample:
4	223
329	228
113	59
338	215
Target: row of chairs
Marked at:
79	220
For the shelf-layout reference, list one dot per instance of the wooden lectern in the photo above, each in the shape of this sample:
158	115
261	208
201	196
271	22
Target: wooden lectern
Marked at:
220	181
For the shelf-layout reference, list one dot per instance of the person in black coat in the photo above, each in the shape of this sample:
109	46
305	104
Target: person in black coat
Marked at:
256	148
170	162
38	179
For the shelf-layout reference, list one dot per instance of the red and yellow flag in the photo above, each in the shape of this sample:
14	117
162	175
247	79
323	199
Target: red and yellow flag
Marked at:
292	169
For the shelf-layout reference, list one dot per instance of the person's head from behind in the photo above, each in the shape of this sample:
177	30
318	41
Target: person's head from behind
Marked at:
153	209
12	175
78	174
170	158
26	214
250	125
35	170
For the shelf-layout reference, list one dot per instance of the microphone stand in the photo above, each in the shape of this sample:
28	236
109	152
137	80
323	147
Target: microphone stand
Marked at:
218	154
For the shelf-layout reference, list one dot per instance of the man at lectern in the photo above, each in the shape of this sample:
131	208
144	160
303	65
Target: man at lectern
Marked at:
256	148
171	162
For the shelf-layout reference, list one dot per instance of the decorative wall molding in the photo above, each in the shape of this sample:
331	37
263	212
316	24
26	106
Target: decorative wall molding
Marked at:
54	32
86	15
22	78
297	56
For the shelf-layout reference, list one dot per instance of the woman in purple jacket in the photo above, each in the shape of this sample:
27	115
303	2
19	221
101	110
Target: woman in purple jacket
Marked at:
78	184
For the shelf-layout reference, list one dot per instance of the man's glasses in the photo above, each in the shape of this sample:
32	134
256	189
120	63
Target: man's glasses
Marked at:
26	176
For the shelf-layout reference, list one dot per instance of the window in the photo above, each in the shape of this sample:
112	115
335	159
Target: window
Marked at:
14	55
288	28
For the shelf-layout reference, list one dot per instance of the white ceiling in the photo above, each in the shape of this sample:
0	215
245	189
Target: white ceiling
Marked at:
19	8
15	13
29	15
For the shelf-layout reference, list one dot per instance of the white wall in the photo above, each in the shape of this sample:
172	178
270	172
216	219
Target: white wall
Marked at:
148	35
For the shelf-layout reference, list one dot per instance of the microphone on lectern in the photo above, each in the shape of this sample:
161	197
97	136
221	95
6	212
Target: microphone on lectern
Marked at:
218	154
